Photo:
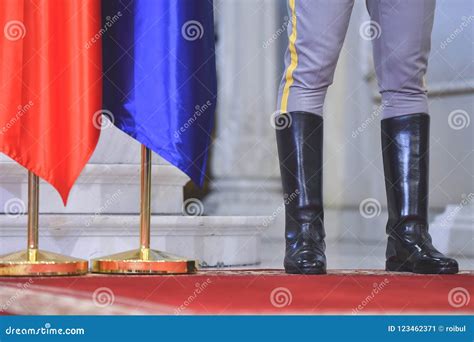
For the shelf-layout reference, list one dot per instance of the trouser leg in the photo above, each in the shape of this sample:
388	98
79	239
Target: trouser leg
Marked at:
316	33
401	51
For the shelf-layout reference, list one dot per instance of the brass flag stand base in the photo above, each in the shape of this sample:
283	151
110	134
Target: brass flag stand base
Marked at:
144	260
34	262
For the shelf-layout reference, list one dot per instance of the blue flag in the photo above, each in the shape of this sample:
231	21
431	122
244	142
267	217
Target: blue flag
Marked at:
160	76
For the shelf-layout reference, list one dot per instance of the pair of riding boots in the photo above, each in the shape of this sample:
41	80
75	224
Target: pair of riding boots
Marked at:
405	149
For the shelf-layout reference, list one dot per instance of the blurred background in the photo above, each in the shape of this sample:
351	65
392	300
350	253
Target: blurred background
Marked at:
236	220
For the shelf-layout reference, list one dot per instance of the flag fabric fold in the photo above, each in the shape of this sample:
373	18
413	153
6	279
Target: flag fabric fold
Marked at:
50	86
160	76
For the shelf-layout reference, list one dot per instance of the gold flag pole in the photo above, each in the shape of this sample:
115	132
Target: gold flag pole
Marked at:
35	262
144	260
33	217
145	204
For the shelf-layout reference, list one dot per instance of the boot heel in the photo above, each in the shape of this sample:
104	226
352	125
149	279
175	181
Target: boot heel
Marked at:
397	266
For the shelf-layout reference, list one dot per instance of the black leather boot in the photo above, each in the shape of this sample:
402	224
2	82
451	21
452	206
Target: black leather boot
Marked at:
405	149
300	150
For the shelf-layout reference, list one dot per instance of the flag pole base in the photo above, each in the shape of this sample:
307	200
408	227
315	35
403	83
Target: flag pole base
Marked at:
144	261
38	263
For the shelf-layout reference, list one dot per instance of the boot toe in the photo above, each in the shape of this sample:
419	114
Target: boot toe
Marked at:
437	266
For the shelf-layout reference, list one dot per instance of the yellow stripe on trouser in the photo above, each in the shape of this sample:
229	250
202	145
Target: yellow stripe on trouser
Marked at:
294	60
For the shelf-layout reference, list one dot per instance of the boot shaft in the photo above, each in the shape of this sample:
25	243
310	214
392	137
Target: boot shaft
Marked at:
300	151
405	150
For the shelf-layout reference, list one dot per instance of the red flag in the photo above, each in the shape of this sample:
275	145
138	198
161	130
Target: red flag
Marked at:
50	86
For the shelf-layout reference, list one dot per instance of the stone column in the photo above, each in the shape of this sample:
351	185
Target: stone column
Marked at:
244	165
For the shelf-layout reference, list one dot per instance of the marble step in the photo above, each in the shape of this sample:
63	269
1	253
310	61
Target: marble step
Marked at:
213	240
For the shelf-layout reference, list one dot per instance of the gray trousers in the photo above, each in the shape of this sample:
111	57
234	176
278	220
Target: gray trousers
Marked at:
400	31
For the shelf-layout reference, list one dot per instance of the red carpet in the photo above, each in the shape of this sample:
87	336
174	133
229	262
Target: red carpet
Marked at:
240	292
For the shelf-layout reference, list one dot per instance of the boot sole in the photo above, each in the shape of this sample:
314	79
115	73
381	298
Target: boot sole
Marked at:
398	266
299	270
